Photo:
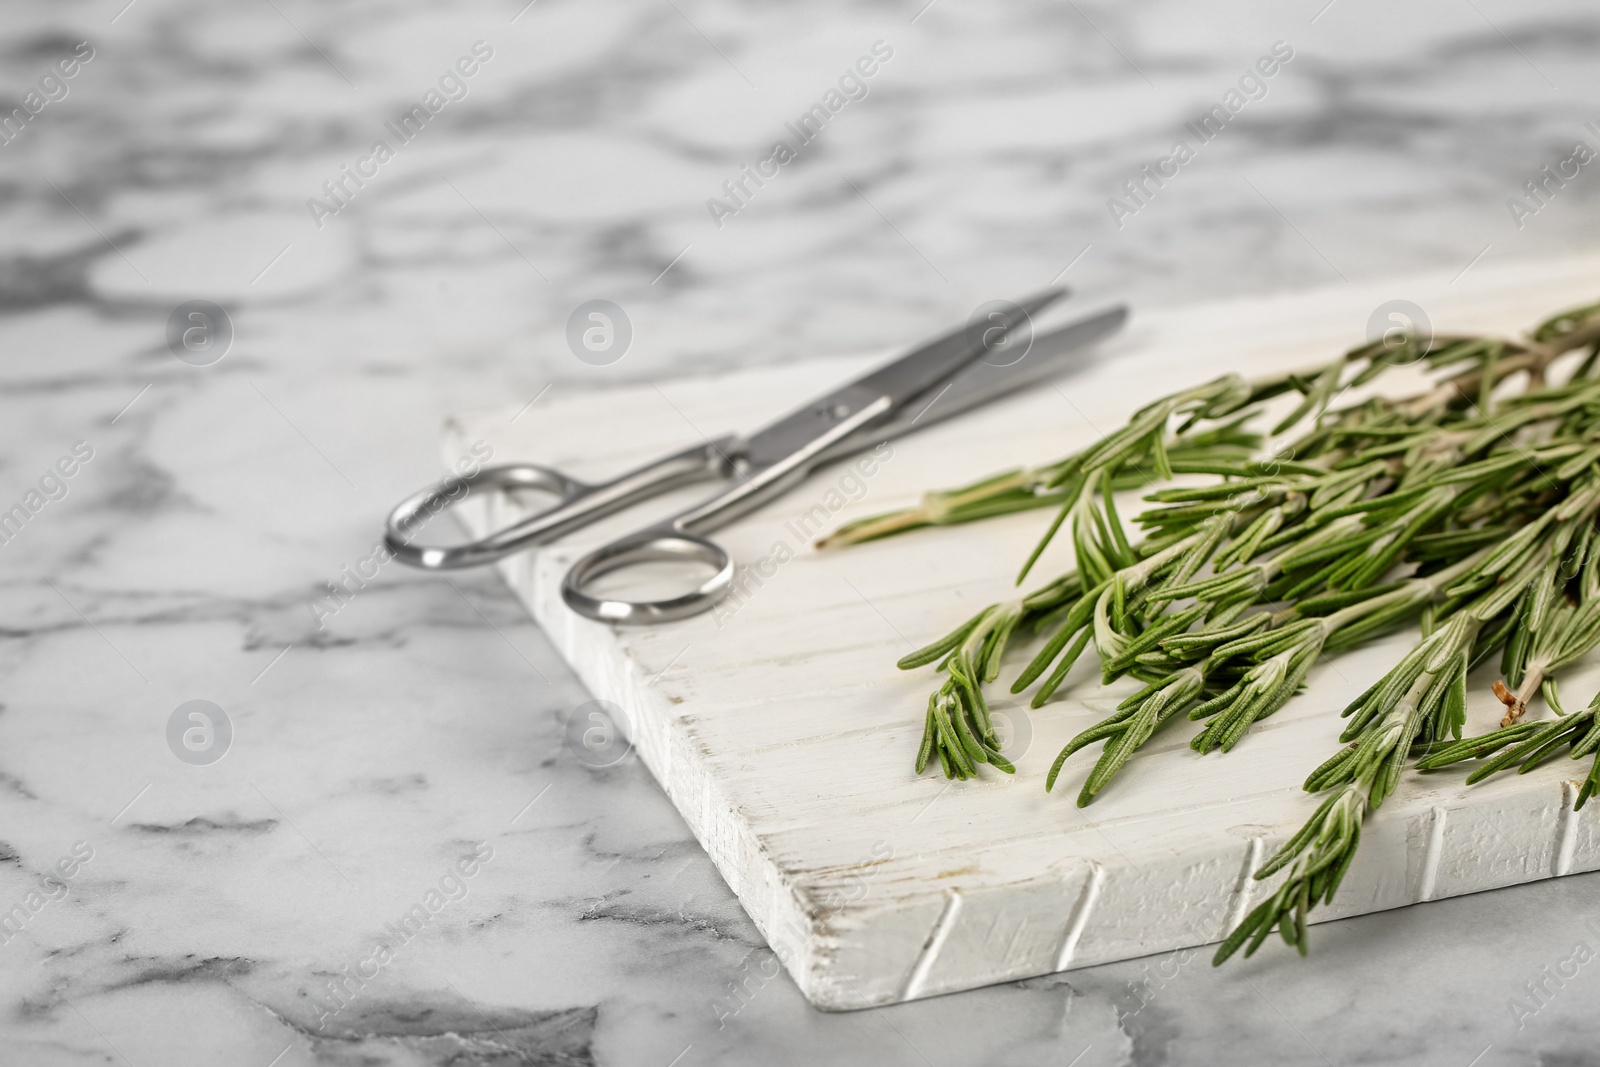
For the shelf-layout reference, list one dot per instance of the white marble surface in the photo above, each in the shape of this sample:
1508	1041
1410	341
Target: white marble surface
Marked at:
425	718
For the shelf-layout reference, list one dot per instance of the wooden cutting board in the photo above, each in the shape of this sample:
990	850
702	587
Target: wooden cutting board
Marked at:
782	731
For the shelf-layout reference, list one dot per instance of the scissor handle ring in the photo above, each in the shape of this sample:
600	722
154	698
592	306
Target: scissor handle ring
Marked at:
451	490
662	543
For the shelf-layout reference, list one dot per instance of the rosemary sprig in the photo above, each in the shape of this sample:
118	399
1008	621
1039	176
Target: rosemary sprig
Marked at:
1027	488
1528	744
1467	510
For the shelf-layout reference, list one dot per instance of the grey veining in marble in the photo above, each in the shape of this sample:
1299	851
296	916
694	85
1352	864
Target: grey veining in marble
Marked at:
372	754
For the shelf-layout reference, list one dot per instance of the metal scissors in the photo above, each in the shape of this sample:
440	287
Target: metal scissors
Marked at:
952	373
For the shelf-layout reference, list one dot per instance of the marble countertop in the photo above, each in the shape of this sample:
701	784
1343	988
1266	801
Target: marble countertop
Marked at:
396	773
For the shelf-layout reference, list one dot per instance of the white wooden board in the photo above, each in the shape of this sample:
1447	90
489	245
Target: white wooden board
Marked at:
784	734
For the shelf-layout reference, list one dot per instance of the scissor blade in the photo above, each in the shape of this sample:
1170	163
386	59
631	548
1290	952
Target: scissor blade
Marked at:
981	382
934	362
821	423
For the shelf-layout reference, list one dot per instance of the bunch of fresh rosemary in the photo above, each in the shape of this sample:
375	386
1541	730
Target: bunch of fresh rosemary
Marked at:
1468	511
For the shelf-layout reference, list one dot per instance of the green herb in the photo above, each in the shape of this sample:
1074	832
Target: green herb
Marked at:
1468	510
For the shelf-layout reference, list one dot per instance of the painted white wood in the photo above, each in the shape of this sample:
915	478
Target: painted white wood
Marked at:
783	733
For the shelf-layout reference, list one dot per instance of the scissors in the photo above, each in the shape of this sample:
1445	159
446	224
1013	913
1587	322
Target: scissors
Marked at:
952	373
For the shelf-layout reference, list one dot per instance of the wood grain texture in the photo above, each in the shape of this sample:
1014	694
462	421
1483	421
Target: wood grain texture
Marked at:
781	730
